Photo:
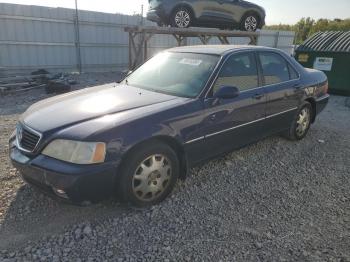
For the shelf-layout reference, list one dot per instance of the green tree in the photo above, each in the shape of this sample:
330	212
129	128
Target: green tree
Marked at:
308	26
303	29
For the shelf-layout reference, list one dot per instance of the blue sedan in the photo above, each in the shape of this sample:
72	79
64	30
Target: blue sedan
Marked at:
184	106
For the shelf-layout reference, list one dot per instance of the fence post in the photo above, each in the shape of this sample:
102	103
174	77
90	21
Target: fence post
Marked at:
77	38
277	36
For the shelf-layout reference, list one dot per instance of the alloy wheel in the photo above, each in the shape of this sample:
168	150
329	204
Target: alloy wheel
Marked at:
182	19
152	177
250	23
303	121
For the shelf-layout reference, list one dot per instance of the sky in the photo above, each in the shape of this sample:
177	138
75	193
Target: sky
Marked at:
278	11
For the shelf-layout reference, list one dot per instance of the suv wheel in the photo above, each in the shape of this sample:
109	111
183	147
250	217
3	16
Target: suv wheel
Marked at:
250	23
148	175
182	18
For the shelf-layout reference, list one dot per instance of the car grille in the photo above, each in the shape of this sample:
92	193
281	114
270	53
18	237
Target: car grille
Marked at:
28	139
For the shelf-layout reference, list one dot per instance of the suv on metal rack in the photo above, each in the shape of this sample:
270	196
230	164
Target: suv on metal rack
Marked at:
223	14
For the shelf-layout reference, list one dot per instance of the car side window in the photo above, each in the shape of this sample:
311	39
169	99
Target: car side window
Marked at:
275	68
239	71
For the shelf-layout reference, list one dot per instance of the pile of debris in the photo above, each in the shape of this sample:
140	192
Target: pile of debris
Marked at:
53	83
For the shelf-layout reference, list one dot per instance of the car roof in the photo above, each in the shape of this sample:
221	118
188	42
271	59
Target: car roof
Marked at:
216	49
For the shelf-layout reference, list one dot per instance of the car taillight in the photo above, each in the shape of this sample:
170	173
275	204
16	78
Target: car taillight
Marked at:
325	88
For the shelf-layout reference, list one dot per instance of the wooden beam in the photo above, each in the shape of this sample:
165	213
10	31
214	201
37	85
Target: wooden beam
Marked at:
223	40
204	39
138	53
147	37
190	32
253	40
180	39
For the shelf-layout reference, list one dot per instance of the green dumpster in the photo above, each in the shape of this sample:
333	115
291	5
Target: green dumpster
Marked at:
329	52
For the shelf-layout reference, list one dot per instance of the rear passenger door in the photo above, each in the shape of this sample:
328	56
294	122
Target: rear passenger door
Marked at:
216	11
281	83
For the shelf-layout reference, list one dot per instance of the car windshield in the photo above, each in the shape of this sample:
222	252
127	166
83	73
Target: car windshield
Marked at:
178	74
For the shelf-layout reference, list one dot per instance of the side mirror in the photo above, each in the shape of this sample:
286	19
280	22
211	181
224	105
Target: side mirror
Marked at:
227	92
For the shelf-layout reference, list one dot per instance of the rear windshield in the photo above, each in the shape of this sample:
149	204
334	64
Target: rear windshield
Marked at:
178	74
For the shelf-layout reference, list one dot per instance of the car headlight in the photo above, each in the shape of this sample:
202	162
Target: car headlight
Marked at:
76	152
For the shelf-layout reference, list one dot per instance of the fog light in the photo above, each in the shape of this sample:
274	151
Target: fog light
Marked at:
60	192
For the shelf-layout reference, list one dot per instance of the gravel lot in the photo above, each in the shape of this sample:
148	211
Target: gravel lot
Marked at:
272	201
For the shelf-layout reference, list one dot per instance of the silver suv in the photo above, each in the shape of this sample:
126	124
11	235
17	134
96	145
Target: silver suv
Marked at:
223	14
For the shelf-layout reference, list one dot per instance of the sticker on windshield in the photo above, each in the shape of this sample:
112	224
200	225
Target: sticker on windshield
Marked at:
192	62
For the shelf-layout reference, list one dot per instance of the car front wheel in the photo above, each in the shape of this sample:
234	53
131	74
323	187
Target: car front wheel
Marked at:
148	175
181	18
301	123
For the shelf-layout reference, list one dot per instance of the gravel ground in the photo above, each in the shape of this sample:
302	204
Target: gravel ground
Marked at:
272	201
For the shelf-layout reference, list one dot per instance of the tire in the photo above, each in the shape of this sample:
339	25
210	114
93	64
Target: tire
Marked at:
181	17
148	174
250	22
301	123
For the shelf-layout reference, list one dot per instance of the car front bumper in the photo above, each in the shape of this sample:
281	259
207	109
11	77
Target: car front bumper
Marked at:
262	23
152	15
70	182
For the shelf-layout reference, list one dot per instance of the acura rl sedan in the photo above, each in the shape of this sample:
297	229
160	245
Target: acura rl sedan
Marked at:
183	106
224	14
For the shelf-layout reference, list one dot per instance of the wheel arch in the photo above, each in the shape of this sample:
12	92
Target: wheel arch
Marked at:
312	101
252	12
186	5
172	142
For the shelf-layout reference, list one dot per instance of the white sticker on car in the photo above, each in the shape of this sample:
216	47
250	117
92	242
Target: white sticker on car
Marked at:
192	62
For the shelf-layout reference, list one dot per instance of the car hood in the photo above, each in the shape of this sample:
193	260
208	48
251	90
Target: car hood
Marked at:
68	109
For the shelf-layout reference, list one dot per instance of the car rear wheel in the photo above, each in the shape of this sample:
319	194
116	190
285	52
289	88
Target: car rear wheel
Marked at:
148	175
182	18
301	123
250	23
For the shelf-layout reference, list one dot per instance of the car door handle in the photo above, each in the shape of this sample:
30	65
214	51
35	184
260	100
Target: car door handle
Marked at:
258	96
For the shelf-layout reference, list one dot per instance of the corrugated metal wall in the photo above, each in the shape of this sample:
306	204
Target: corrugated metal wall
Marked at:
33	37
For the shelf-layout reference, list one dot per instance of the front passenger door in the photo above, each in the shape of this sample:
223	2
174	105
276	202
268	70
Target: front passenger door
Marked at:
232	123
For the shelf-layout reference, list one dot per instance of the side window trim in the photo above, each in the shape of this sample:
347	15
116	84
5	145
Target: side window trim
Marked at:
260	70
288	66
294	68
261	77
253	53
